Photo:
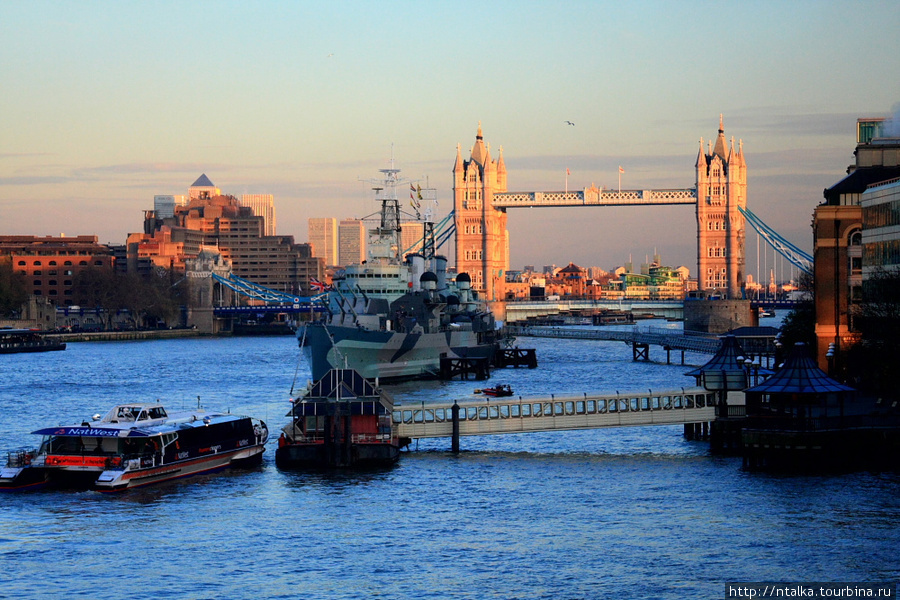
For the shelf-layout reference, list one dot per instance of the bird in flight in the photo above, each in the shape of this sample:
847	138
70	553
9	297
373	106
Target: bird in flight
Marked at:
330	55
570	123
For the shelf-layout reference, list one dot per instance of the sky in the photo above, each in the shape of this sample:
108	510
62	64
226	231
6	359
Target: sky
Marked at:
106	104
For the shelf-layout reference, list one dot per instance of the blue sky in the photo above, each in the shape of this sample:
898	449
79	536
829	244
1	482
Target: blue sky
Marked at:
107	103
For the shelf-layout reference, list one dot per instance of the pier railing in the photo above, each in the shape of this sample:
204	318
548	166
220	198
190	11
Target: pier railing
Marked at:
554	413
674	340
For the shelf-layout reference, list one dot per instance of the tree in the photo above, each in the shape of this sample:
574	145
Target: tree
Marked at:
13	292
799	325
98	288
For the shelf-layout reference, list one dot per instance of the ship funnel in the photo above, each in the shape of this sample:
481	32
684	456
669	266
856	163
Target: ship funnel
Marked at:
440	269
417	269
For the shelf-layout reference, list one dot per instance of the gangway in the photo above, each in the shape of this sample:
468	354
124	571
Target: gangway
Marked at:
554	413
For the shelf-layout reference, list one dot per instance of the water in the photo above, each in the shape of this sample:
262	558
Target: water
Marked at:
626	513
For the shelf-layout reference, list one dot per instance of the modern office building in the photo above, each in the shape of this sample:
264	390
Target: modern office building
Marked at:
881	228
211	220
323	236
351	242
262	205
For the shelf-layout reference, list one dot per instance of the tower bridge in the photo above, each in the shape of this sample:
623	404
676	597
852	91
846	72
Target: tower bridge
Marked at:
481	200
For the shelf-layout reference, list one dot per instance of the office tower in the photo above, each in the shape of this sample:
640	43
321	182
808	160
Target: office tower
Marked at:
263	205
351	242
323	237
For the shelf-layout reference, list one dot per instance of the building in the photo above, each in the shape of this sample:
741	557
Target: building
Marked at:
351	242
412	237
51	264
721	180
215	221
482	241
838	233
262	205
881	228
323	237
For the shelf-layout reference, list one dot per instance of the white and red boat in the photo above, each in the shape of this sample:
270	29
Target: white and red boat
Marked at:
135	445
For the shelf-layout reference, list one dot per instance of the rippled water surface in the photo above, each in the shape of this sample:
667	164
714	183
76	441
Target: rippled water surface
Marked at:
625	513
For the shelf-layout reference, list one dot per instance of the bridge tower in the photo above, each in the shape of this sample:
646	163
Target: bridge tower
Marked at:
482	241
721	188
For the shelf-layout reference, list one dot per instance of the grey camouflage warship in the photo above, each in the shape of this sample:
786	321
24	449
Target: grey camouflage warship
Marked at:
394	317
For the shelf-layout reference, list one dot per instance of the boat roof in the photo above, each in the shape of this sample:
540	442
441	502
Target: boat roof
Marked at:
138	419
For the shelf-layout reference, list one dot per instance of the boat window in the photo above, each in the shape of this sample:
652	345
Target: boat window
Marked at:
397	418
158	412
645	403
429	416
570	408
676	402
689	402
634	404
407	416
623	405
601	406
591	406
667	402
515	410
471	413
483	412
417	416
526	410
579	407
613	405
504	411
439	415
493	412
557	408
654	403
537	410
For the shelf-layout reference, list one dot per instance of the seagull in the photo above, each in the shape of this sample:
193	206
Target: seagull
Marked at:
330	55
570	123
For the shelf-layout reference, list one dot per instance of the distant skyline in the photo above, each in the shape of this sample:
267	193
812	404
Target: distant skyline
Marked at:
107	104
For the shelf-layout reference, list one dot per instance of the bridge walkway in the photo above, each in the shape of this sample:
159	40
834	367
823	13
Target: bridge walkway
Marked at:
673	340
488	416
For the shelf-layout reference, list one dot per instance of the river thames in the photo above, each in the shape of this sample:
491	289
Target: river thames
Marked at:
616	513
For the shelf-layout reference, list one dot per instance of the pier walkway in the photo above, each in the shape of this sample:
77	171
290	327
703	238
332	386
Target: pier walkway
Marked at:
636	336
487	416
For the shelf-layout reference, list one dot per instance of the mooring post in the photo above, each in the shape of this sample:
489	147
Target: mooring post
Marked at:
454	414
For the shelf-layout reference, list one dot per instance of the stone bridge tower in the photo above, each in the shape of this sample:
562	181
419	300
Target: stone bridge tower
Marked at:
721	189
482	241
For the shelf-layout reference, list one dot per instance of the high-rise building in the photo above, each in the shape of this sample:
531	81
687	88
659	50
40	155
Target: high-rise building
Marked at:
323	237
721	188
411	237
351	242
203	188
221	222
262	205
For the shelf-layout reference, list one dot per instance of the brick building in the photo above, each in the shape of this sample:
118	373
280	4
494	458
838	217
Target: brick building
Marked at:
51	264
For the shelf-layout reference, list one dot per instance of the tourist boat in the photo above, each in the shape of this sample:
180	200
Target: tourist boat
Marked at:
497	391
26	340
394	317
342	420
135	445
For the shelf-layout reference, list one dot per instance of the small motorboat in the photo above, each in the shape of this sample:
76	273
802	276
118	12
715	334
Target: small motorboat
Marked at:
496	391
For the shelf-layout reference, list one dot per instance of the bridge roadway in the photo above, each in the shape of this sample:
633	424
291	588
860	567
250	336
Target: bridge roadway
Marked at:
667	338
519	310
593	196
488	416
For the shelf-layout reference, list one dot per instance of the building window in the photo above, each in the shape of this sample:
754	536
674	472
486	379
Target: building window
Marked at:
67	263
21	263
52	263
38	272
37	263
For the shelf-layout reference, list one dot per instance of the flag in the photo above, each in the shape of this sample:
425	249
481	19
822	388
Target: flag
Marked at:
419	192
567	171
621	170
318	286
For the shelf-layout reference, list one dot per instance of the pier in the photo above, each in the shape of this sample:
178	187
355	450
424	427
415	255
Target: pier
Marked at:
489	416
640	339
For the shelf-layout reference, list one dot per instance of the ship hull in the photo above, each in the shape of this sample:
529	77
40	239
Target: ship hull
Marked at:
388	355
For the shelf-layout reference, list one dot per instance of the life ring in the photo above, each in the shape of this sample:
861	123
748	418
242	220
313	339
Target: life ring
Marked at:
26	459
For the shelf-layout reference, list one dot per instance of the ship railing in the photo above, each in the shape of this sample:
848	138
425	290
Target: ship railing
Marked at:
21	458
